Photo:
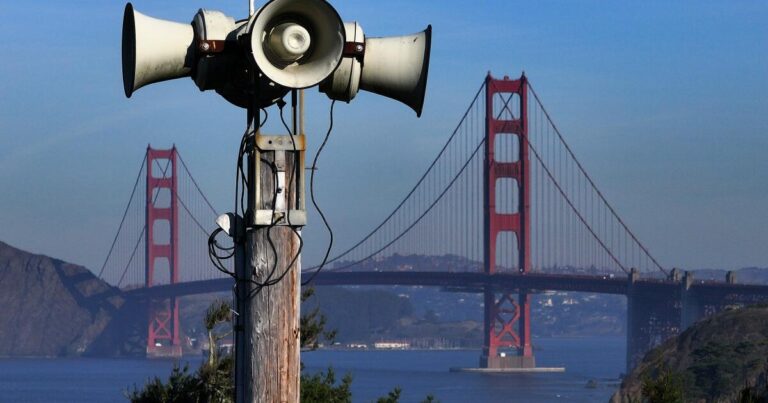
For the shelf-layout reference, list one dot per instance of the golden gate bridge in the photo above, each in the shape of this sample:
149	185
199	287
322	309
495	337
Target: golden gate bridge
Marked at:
505	196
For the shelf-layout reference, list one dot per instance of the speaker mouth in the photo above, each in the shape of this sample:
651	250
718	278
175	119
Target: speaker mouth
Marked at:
322	58
424	71
129	50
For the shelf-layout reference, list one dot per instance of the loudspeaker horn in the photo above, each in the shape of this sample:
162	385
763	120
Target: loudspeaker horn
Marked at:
395	67
297	43
154	50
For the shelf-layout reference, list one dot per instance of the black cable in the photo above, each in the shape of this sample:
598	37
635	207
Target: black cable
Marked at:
240	180
238	173
291	184
266	116
418	183
261	285
240	177
269	281
282	118
434	163
216	259
314	203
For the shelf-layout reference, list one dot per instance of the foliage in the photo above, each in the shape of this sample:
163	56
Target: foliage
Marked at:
753	395
321	387
218	313
216	384
392	397
667	387
719	367
313	325
716	371
180	386
213	382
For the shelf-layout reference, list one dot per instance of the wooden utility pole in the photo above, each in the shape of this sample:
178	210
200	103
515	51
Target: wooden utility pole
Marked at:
269	367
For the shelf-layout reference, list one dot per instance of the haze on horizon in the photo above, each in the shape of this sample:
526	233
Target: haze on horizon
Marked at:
663	103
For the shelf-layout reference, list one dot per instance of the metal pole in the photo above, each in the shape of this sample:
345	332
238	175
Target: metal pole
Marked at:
243	344
269	311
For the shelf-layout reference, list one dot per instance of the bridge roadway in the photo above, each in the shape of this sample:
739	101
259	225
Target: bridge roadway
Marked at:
476	282
657	309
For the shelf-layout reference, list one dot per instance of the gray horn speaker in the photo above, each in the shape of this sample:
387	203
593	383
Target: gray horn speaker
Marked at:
297	43
395	67
154	50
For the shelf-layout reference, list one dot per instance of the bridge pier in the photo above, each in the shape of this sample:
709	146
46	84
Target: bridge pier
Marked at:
707	299
657	311
507	325
692	308
653	315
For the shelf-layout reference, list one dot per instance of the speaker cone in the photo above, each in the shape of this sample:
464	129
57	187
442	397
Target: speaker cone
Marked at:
297	43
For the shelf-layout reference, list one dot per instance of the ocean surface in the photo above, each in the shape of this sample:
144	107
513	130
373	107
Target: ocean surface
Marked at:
417	373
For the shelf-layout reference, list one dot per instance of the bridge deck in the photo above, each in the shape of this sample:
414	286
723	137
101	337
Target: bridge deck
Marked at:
470	282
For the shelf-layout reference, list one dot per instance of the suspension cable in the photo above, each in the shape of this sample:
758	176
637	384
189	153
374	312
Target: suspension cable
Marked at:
196	185
413	224
592	183
415	187
125	213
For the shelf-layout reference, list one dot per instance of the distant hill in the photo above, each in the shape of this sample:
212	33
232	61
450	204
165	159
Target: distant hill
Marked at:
49	307
714	360
54	308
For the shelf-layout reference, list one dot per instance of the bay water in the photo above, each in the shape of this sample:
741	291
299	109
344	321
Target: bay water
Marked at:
417	372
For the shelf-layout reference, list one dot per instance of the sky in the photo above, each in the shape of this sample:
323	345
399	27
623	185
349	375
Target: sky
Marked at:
663	102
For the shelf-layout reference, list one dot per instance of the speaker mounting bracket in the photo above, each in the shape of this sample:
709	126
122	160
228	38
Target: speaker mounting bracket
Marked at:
210	46
286	154
355	50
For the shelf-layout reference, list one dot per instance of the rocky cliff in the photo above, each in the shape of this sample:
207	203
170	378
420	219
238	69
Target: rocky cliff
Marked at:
49	307
712	361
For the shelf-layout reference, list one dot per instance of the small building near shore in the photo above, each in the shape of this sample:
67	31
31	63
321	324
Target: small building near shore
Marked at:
391	345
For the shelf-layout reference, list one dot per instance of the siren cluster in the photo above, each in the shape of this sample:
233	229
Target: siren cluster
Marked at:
285	45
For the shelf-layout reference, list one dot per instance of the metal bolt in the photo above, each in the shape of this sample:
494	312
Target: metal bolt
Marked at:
359	48
205	46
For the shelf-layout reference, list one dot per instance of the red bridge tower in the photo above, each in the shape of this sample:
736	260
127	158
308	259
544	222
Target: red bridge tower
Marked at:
162	215
507	319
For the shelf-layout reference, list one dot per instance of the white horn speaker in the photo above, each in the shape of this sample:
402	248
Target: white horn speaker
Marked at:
297	43
154	50
395	67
